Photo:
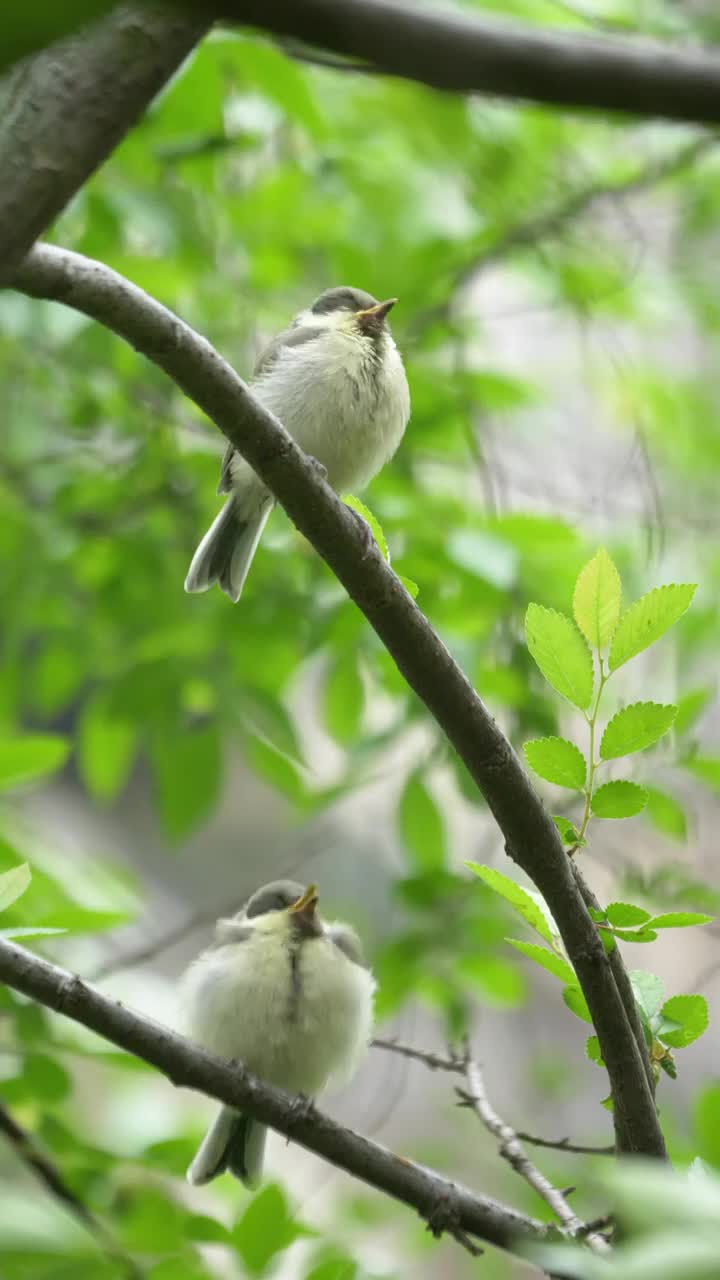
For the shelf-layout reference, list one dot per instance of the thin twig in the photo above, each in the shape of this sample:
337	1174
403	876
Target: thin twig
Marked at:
45	1171
435	1061
511	1150
564	1144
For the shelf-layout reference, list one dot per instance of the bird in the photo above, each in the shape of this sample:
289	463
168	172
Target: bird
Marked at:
336	381
286	994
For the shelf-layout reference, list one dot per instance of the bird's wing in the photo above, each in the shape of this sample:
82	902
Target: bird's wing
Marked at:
347	941
294	336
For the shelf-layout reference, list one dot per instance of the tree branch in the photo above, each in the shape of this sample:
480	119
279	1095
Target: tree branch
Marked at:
44	1170
511	1150
531	837
66	108
443	1204
470	54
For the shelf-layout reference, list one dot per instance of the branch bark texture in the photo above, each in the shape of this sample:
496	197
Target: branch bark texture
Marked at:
471	54
444	1205
530	835
66	108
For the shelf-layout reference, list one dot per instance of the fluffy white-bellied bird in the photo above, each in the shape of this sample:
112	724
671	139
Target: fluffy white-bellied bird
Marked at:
286	994
336	381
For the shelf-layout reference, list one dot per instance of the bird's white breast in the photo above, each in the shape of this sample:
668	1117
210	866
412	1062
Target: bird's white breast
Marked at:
243	1002
344	405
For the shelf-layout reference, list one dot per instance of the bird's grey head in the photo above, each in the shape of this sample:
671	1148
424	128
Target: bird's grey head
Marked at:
276	896
338	306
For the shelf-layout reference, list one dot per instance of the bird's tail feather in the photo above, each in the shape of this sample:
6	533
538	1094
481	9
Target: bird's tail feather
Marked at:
235	1142
226	552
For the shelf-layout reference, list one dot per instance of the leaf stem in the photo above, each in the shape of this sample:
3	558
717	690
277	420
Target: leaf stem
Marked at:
594	764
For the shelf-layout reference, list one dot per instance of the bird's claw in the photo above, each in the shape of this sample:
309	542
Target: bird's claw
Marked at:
368	536
301	1108
443	1216
318	467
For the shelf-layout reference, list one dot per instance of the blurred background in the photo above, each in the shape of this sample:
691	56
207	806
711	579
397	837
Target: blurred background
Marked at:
559	286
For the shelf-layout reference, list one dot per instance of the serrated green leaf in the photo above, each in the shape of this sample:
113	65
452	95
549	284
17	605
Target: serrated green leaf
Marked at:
518	898
548	960
665	813
618	800
691	1015
596	600
29	758
568	832
561	653
690	707
597	914
411	587
106	748
592	1049
648	990
375	527
421	826
678	920
265	1229
635	728
576	1002
188	771
624	914
13	884
557	760
344	698
647	620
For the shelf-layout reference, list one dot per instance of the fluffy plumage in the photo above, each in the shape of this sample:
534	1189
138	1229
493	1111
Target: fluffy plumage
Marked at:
336	381
288	996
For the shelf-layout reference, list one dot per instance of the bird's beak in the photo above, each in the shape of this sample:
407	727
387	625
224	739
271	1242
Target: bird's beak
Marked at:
304	908
373	317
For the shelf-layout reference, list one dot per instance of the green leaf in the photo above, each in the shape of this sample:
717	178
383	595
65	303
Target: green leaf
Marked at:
625	913
705	767
618	800
344	699
557	760
691	1015
29	758
13	884
187	765
47	1081
679	920
561	653
375	527
690	708
592	1049
265	1229
502	984
635	728
665	813
596	601
576	1002
648	990
421	826
648	619
548	960
635	935
568	832
519	898
106	748
411	587
30	931
706	1116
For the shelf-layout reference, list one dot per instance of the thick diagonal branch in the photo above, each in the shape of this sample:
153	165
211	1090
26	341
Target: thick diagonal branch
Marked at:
64	110
189	1066
468	53
531	838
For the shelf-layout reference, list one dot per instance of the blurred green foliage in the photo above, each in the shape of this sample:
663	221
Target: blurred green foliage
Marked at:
254	182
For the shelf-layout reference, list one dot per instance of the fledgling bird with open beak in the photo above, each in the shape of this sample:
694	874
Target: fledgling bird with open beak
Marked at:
336	381
286	994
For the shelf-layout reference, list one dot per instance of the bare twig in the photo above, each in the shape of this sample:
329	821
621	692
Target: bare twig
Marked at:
564	1144
531	837
435	1061
45	1171
189	1066
511	1150
468	53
